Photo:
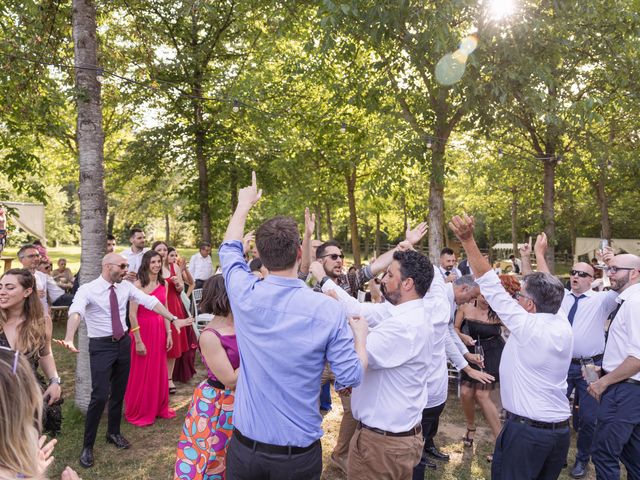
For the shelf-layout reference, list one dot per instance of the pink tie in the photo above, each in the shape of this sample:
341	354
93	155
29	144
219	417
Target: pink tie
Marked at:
116	325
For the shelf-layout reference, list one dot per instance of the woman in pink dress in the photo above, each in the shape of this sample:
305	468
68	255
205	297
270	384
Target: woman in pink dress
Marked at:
147	395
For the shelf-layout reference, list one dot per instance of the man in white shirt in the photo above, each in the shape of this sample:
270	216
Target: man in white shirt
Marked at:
389	402
617	434
587	312
101	304
447	265
534	440
200	265
29	257
134	253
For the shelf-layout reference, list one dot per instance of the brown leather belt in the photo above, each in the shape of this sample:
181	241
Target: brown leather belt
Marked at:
409	433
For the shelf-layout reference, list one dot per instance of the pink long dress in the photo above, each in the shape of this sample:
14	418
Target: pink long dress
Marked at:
147	395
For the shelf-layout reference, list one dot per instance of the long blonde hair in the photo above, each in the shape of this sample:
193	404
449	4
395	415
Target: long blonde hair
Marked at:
32	332
20	416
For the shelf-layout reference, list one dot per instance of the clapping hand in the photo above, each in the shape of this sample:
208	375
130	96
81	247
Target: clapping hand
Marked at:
463	227
249	196
415	235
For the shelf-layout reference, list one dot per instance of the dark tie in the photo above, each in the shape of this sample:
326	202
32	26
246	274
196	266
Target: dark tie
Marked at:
574	307
447	273
116	325
612	316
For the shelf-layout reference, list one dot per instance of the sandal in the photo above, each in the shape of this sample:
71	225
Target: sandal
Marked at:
468	442
172	390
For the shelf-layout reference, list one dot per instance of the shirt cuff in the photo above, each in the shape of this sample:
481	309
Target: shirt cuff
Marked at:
489	278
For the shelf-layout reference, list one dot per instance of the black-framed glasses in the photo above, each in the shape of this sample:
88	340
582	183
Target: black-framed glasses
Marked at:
580	274
123	266
334	256
613	270
15	357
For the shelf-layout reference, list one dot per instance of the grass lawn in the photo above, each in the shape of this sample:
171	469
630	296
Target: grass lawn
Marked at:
152	455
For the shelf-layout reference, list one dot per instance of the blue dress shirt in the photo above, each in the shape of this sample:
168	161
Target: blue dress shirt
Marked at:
285	333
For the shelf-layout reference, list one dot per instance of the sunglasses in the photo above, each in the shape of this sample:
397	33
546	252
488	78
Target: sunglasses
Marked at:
15	358
519	295
334	256
580	274
123	266
614	270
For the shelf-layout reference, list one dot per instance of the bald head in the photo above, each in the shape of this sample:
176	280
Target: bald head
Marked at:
626	260
112	267
582	275
624	271
113	258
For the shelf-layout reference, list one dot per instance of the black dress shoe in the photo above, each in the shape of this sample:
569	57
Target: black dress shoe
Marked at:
579	470
437	454
118	440
86	457
428	463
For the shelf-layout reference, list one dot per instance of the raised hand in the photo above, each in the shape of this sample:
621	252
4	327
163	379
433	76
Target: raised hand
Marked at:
541	245
246	241
415	235
463	227
249	196
525	250
317	270
68	344
403	246
309	223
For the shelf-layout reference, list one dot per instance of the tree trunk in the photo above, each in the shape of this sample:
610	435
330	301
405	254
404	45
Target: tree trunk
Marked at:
111	222
436	202
329	222
318	222
601	192
353	218
167	229
233	191
405	220
93	202
378	239
201	161
514	219
548	210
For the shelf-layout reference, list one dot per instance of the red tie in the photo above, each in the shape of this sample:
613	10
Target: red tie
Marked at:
116	325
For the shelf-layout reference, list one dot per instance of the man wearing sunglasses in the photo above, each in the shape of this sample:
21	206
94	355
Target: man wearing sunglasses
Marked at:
47	288
587	312
617	434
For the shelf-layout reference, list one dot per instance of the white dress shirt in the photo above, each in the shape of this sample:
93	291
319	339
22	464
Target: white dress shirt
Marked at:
624	332
393	391
458	360
535	359
47	284
201	268
92	302
134	259
588	323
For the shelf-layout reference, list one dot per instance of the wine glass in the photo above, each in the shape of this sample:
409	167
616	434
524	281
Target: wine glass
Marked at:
480	354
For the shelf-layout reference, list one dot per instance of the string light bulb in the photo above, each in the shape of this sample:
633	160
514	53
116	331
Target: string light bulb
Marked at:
429	143
343	127
500	153
100	75
236	105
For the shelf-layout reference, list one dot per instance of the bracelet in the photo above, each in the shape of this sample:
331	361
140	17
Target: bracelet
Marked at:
135	329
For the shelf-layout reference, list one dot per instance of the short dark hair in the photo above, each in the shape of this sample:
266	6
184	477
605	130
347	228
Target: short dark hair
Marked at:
204	245
24	248
133	231
512	257
214	297
545	290
446	251
416	266
278	243
255	265
321	249
110	237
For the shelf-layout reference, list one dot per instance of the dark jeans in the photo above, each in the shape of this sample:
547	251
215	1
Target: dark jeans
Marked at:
110	363
430	423
587	411
243	463
617	435
523	451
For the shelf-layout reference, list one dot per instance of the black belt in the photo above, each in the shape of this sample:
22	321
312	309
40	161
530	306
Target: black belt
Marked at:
537	423
409	433
109	338
216	384
632	381
269	448
595	358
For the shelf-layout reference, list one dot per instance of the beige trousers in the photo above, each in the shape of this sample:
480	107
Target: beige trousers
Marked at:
372	455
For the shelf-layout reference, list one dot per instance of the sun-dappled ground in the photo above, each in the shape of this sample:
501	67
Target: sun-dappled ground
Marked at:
153	452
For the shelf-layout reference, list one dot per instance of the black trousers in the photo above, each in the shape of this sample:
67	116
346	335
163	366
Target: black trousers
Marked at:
430	423
110	364
243	463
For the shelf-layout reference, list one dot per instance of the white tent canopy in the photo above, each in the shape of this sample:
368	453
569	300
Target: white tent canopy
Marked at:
588	246
30	218
503	246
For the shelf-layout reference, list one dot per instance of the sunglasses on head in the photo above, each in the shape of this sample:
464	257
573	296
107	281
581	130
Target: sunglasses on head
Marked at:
580	274
333	256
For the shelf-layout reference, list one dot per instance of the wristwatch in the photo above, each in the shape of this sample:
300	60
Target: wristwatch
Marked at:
53	380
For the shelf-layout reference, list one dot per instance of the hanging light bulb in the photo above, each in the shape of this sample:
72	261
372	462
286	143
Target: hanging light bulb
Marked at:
343	127
100	75
236	106
500	153
429	143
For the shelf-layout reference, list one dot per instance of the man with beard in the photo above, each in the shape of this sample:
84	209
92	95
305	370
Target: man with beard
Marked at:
134	253
447	265
29	257
587	312
101	303
389	402
617	434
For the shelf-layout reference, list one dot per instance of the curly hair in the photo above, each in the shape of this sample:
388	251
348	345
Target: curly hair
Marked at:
32	333
510	284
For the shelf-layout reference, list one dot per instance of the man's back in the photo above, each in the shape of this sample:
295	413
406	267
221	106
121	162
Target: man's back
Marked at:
285	333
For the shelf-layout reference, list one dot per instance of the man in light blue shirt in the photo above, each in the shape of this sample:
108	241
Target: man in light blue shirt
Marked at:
285	334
